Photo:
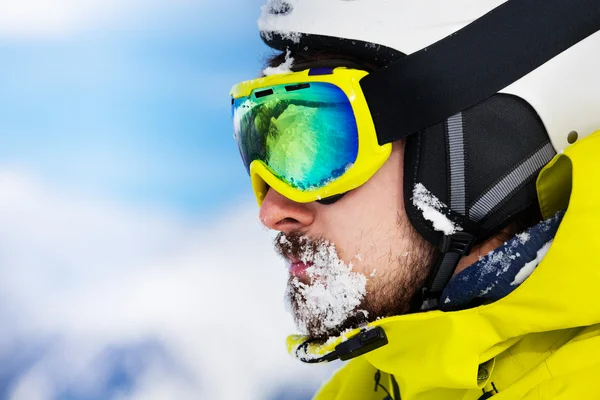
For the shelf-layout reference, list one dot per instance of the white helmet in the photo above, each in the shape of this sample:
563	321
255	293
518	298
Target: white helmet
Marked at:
564	91
485	91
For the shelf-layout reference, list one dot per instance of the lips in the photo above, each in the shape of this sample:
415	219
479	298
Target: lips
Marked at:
298	269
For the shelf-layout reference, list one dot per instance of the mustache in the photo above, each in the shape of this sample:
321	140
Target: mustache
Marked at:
296	245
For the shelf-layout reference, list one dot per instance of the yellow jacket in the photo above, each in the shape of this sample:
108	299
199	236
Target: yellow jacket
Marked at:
542	341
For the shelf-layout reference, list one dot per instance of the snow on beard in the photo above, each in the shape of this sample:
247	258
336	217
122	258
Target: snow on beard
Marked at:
329	302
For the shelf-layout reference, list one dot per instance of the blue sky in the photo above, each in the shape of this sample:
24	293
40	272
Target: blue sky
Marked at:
136	108
132	264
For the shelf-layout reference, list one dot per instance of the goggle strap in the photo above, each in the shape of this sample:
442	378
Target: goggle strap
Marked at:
474	63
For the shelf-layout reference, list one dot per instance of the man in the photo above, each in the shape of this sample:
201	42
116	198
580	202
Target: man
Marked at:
408	161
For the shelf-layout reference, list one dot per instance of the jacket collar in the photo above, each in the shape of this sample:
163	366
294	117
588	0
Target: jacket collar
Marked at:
502	270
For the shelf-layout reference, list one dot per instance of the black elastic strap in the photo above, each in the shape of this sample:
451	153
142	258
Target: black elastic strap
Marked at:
452	248
448	264
474	63
396	388
302	349
378	385
486	395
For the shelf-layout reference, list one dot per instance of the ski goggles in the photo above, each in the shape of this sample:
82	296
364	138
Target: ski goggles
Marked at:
309	135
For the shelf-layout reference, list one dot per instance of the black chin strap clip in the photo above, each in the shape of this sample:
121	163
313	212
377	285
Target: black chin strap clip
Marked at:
452	248
367	340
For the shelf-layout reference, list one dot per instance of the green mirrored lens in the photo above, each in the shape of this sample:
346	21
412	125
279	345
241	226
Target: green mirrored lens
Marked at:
306	134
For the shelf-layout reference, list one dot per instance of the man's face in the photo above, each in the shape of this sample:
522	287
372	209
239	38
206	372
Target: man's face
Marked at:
352	261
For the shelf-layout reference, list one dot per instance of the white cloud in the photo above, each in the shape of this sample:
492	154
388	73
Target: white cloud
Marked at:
89	276
59	18
55	18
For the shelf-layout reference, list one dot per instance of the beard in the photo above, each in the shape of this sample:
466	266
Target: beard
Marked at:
333	298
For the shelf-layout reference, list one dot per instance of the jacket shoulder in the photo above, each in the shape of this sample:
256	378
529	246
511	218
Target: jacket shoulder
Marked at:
575	385
572	370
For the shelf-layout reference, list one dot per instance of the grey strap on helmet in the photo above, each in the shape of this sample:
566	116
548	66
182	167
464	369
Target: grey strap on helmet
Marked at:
474	63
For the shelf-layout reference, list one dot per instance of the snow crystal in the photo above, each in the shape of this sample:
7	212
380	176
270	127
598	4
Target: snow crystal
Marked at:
277	7
487	289
432	208
373	273
531	266
270	12
292	36
334	293
283	68
498	261
343	336
447	300
523	237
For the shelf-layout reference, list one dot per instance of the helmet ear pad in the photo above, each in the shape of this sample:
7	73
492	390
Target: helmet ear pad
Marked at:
482	163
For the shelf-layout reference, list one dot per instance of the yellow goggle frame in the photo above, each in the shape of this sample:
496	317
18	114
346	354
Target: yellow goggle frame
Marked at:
370	157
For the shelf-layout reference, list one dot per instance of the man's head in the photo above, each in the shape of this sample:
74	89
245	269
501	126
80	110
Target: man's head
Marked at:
462	168
358	258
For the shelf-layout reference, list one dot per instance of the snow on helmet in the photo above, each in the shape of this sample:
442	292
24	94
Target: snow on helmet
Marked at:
477	152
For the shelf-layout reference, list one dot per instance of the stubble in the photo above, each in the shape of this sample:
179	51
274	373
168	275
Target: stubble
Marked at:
335	298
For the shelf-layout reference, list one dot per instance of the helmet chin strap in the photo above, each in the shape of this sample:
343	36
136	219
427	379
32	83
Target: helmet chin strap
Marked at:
452	248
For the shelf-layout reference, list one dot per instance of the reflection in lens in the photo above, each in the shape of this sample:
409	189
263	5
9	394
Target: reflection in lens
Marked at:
306	138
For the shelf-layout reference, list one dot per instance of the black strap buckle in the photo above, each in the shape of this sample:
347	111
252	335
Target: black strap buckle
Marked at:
366	340
459	242
452	248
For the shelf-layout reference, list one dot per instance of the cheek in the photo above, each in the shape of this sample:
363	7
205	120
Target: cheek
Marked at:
375	240
367	232
369	244
364	223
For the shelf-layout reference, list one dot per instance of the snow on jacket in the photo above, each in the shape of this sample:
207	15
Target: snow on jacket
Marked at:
541	341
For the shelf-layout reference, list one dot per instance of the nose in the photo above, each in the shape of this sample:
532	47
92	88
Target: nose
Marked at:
280	213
